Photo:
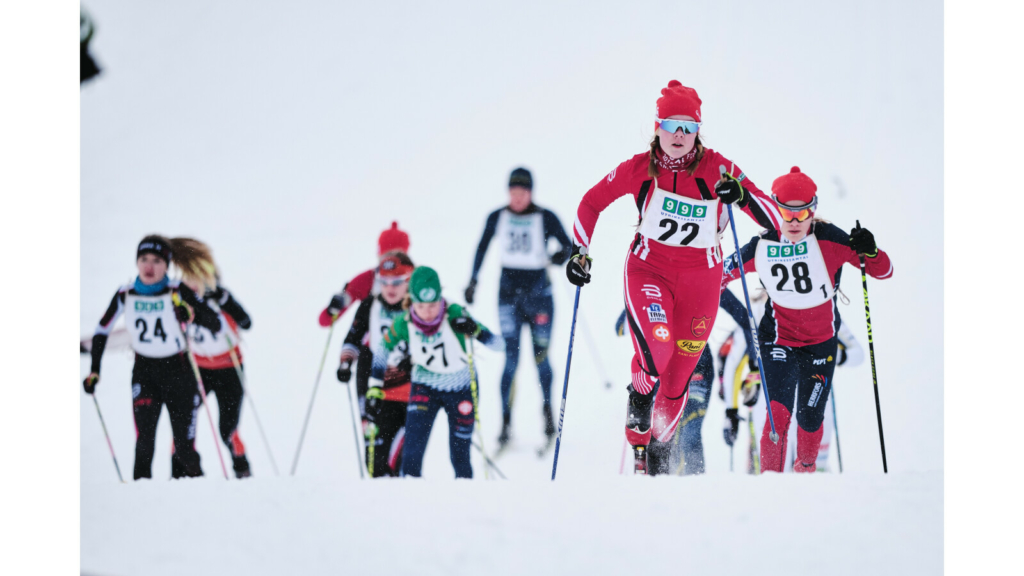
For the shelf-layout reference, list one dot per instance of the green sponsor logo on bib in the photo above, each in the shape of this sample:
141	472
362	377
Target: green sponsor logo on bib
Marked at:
669	205
149	306
787	251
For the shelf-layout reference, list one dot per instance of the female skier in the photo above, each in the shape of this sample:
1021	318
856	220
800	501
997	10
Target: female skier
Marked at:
524	294
386	399
432	334
154	307
800	264
218	353
674	268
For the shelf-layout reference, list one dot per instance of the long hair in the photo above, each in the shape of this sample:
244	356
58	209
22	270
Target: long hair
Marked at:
195	261
652	163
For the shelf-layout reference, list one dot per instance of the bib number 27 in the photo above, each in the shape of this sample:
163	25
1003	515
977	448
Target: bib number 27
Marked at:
689	231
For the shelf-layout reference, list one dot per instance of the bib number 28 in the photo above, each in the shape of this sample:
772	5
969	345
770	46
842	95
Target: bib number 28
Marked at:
801	278
688	230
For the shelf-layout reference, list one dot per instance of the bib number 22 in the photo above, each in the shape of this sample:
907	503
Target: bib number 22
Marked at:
689	230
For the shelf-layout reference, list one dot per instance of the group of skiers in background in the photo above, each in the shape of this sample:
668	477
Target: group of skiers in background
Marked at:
411	350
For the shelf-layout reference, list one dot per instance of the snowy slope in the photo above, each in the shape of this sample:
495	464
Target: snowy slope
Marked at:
289	138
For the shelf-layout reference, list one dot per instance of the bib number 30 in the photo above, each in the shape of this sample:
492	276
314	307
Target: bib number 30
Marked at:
689	231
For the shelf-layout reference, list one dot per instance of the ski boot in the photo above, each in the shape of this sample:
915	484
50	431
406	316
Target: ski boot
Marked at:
549	422
658	454
505	436
241	466
640	460
638	416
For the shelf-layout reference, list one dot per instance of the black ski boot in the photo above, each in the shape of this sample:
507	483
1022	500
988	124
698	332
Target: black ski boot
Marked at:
639	410
241	466
658	454
506	432
640	460
549	422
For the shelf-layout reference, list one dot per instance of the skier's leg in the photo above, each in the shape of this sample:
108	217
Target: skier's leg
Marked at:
181	393
817	367
146	406
511	328
390	421
781	373
458	406
540	314
229	402
693	417
419	419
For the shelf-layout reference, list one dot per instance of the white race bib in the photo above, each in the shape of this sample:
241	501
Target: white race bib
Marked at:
522	241
154	330
794	275
380	320
675	220
206	343
440	353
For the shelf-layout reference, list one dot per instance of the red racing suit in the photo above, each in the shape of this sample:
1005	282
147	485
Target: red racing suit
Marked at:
673	270
798	329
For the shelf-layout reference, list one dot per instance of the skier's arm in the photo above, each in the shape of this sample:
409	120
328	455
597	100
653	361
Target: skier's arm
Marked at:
612	187
202	314
356	332
835	243
232	308
731	268
99	339
463	323
553	227
485	241
358	288
755	203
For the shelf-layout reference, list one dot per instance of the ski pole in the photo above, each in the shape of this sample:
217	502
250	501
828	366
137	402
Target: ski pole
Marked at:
871	348
370	449
309	411
476	402
354	415
489	462
202	389
565	386
109	444
774	436
835	423
252	403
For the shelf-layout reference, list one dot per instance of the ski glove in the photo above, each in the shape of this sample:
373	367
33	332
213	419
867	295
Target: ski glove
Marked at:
730	191
345	371
464	325
578	268
751	388
732	425
90	383
863	242
470	291
338	303
182	311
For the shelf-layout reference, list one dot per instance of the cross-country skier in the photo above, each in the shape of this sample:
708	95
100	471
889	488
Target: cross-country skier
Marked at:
800	264
674	268
524	293
433	335
365	284
216	352
386	399
154	306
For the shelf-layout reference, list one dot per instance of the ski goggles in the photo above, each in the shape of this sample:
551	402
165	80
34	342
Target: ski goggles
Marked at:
797	213
394	280
670	126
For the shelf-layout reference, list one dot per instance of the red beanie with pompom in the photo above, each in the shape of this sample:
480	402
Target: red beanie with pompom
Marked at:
678	100
392	239
795	186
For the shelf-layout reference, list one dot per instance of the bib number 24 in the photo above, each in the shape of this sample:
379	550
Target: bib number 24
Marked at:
689	230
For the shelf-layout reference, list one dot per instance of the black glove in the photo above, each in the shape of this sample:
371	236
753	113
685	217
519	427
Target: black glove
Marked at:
731	430
374	404
338	303
464	325
863	242
90	383
345	371
183	312
578	268
559	258
470	291
730	191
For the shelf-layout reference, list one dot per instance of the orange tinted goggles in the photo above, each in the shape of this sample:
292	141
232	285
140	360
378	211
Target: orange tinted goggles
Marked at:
797	213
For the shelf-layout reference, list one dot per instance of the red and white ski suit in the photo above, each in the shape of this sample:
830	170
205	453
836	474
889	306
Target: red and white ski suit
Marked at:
673	271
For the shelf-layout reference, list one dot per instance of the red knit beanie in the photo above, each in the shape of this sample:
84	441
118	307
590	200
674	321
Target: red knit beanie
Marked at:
794	186
677	99
392	239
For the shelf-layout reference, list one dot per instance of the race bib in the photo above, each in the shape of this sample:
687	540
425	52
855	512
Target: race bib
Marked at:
154	329
522	241
206	343
440	352
794	275
381	320
675	220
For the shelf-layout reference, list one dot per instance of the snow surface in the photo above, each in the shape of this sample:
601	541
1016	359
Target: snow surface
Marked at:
289	138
